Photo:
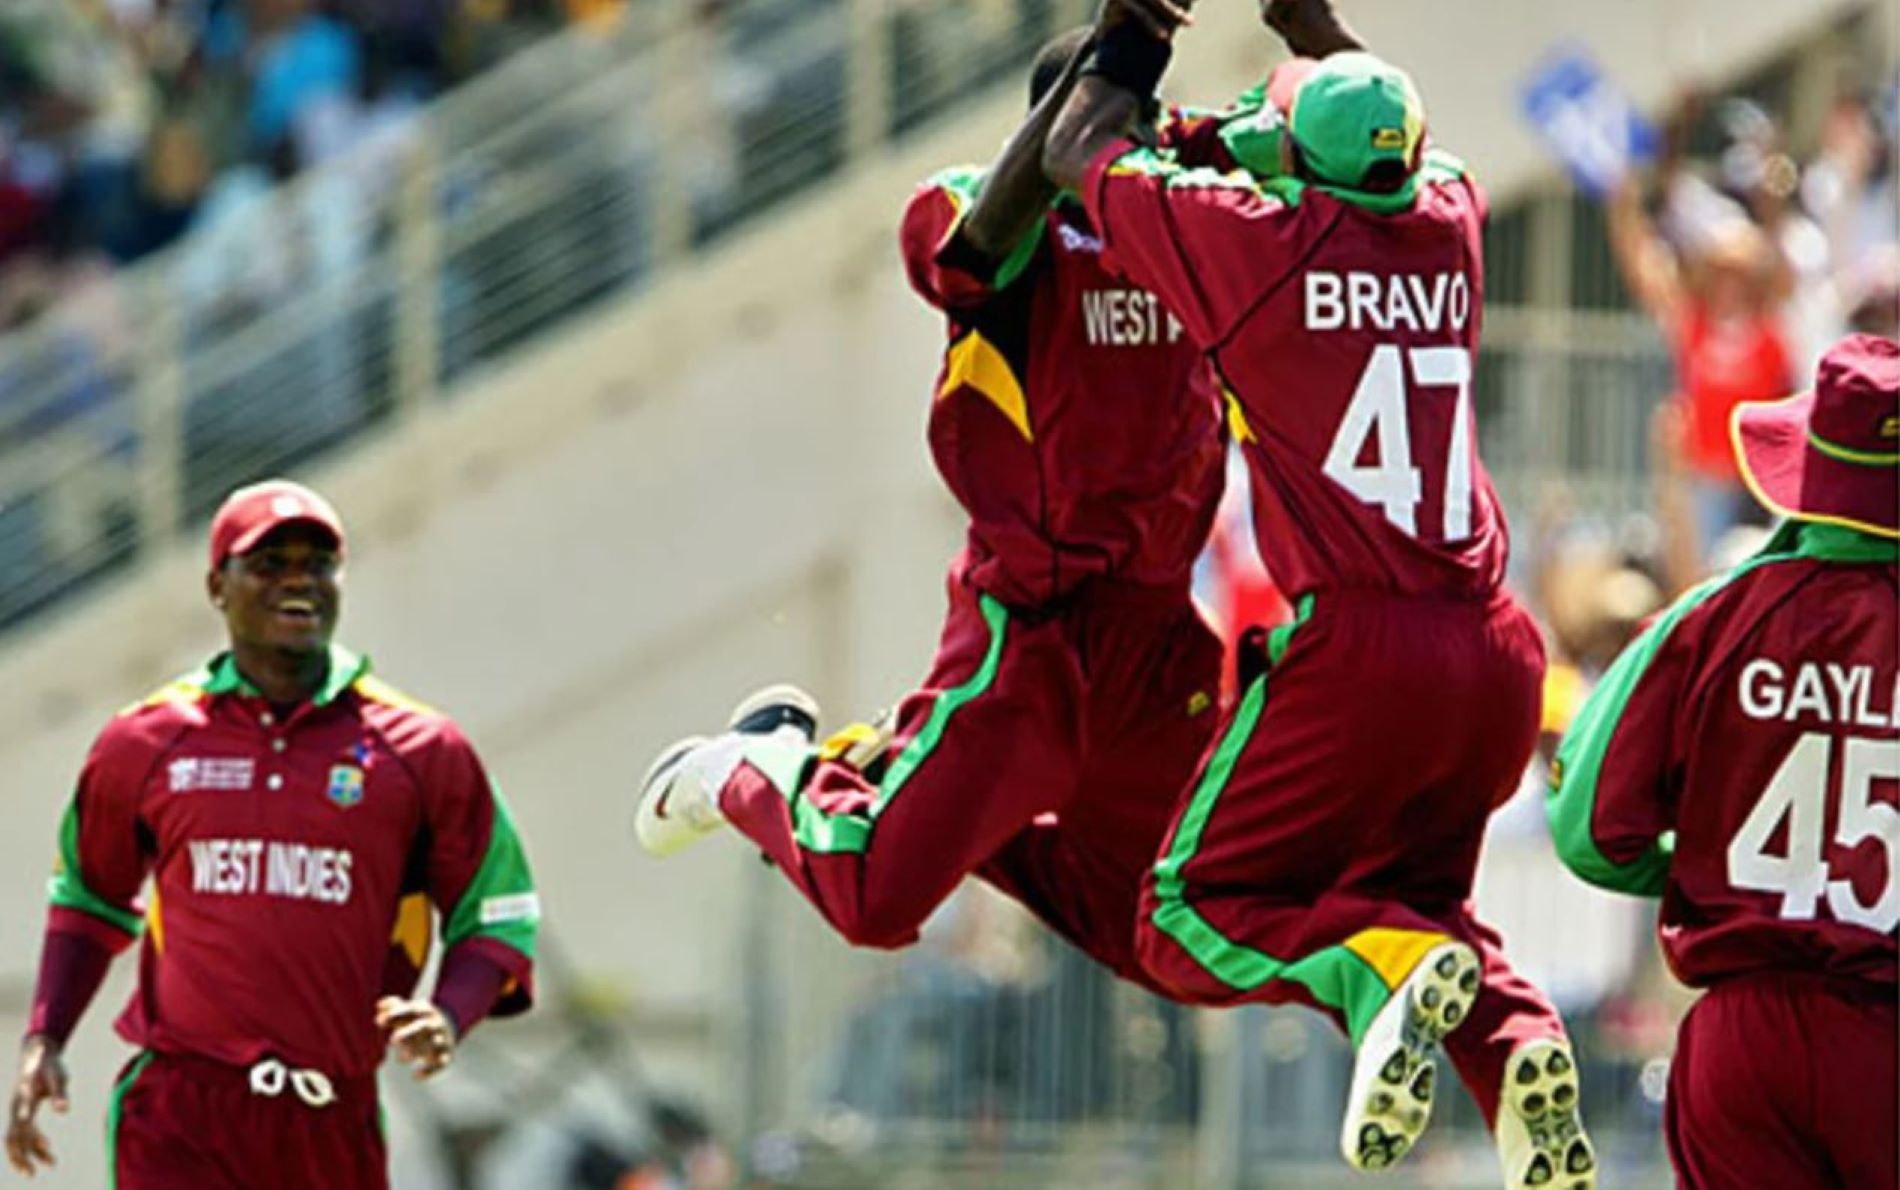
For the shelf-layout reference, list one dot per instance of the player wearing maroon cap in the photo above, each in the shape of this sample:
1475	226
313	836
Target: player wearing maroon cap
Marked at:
1740	760
297	818
1325	852
1073	687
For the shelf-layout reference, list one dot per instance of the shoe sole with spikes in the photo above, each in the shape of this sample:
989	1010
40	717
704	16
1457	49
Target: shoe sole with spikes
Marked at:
1394	1074
1542	1092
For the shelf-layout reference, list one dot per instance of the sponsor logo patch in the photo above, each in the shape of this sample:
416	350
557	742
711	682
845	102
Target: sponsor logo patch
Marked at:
346	786
189	774
516	907
1076	241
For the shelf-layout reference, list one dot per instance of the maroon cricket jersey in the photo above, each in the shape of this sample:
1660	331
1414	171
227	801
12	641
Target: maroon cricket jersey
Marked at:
1075	420
1346	337
1759	720
288	852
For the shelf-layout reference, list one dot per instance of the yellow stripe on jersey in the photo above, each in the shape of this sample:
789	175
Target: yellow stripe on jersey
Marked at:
1393	953
1236	420
155	922
413	929
180	691
974	362
377	690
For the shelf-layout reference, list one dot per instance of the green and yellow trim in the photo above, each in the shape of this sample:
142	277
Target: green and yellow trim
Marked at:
500	901
1859	458
818	831
115	1115
962	185
67	888
1831	450
1578	767
1355	977
973	362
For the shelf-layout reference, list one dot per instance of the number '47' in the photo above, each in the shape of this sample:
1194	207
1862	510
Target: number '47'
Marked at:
1798	792
1378	407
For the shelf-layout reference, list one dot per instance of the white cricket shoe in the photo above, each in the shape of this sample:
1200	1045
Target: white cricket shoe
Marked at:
676	808
1541	1141
1393	1075
679	796
774	709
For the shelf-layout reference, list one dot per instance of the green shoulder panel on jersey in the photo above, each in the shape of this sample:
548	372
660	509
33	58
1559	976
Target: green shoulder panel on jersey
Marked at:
963	185
68	890
1162	164
1571	804
500	901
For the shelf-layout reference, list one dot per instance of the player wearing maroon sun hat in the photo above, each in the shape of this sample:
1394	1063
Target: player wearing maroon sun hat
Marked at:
296	818
1074	681
1742	761
1332	267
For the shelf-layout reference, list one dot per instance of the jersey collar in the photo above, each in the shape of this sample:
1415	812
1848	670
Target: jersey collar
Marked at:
1830	543
222	676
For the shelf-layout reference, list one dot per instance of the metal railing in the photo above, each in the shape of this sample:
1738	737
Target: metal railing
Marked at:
380	281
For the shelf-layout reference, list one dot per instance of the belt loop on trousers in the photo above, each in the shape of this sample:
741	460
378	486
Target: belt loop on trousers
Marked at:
270	1076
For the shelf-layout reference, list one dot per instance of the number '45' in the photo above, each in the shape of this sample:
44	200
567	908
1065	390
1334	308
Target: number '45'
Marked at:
1798	792
1378	407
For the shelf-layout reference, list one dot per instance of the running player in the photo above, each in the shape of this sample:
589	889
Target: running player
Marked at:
1325	851
1739	760
1074	683
292	811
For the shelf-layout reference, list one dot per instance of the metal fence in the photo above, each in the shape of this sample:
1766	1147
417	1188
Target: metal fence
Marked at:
385	279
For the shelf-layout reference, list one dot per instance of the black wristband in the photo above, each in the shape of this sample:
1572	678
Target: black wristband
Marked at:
1131	58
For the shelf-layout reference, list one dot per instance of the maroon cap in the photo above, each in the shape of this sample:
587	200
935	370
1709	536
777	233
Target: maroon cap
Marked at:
1831	455
249	514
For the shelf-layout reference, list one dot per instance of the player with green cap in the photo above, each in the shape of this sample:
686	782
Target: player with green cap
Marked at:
1331	264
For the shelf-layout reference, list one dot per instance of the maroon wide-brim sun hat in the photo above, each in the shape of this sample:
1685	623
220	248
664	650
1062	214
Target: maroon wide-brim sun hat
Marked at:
1831	455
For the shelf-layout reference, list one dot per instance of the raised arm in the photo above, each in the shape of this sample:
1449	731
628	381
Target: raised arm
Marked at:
1310	28
1132	46
1015	190
1647	263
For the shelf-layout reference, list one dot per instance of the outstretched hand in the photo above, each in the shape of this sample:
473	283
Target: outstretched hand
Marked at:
419	1032
42	1079
1159	17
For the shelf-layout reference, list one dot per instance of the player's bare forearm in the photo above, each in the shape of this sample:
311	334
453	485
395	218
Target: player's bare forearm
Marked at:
1310	28
1015	190
1096	115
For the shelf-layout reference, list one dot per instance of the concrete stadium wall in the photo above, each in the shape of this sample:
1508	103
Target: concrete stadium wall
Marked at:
719	482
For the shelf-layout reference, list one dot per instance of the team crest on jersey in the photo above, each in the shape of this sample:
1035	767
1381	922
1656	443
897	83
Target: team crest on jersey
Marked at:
188	774
346	786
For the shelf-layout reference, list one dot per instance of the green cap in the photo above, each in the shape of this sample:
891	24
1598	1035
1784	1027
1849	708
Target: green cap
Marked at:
1353	111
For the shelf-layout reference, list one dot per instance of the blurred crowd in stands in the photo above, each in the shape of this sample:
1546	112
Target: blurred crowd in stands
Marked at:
125	124
1752	263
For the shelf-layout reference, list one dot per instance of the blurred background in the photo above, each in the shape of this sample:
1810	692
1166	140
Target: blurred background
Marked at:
588	315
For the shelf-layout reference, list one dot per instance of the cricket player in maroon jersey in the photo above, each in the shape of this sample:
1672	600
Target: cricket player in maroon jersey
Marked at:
1325	851
1742	761
1074	683
297	818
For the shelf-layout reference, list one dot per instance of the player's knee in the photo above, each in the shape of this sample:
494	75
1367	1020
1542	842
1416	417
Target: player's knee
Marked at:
1175	973
1157	954
883	923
